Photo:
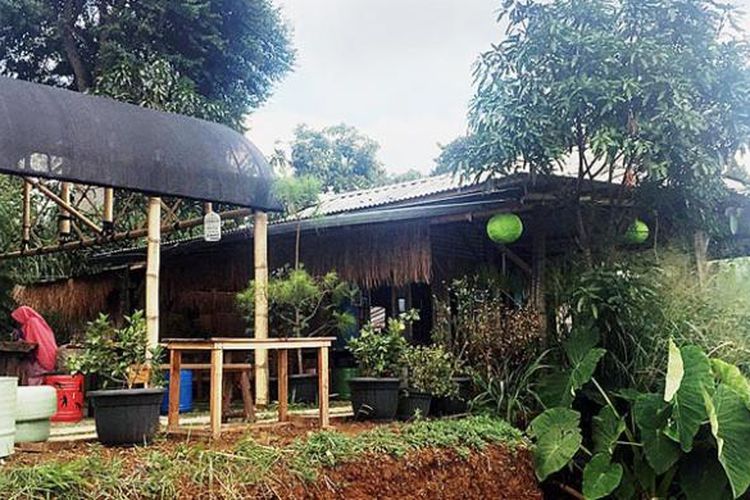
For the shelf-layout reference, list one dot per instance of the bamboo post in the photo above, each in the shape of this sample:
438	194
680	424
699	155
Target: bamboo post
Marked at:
700	245
108	216
152	271
26	236
64	222
260	260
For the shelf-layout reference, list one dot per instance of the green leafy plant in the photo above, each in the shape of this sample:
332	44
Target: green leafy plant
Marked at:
430	370
117	355
645	443
381	354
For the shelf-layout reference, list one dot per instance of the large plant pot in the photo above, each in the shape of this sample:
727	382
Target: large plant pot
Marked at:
374	398
303	388
126	416
412	404
457	404
34	407
8	389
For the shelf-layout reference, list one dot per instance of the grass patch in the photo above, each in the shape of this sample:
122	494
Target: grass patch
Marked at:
230	473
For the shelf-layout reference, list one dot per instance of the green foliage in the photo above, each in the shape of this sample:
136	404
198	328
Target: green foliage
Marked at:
297	192
340	157
557	438
301	304
664	432
653	90
115	354
381	354
430	370
219	58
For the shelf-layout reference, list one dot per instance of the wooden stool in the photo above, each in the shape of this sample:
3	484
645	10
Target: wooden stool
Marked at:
241	379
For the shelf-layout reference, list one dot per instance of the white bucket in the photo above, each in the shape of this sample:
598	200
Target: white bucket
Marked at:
8	390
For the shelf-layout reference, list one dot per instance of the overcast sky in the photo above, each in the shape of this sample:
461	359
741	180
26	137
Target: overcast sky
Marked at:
398	70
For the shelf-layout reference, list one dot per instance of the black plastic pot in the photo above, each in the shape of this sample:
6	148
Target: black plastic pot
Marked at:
303	388
412	403
126	416
374	398
457	404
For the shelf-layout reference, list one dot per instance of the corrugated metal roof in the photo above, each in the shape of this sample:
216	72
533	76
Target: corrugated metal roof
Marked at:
335	203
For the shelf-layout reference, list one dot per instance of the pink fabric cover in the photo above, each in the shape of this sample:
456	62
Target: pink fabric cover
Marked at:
36	330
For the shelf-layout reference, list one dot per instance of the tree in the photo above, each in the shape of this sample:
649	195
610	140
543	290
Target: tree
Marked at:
296	194
649	94
216	59
340	156
452	156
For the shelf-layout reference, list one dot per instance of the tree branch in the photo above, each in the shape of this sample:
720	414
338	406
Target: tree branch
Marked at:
70	13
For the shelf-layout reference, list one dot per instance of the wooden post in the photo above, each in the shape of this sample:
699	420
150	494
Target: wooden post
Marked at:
108	216
152	271
323	386
260	242
538	265
173	415
217	369
26	237
283	375
64	222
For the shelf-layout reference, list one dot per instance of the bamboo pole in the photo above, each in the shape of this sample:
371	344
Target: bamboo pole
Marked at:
152	271
52	196
260	243
108	216
26	236
125	235
64	222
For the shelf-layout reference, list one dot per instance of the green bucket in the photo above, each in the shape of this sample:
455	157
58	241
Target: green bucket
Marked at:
341	377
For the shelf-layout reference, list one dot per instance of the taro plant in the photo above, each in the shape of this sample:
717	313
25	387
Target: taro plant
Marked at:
380	354
430	370
117	355
687	440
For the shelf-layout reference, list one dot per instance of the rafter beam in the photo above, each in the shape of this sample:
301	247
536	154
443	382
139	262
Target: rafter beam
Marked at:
61	203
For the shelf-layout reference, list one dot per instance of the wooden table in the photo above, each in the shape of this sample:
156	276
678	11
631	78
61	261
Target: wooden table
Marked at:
217	346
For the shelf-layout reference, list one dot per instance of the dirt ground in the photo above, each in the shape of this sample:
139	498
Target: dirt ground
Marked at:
495	472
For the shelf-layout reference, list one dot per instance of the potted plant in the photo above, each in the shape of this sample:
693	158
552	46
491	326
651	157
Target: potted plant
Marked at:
380	356
429	375
119	357
302	305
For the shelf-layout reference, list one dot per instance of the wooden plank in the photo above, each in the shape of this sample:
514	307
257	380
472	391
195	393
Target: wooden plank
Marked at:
283	376
173	413
247	396
323	386
217	359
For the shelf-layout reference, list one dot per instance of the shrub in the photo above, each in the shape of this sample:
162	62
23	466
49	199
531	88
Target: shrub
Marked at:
116	354
430	370
380	354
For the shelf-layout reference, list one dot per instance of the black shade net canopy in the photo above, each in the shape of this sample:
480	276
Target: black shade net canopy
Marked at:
59	134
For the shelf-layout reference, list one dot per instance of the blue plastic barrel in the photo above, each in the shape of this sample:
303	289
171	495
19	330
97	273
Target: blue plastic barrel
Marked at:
186	392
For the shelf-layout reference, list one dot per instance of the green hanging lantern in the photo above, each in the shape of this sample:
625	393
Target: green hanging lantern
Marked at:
504	228
637	232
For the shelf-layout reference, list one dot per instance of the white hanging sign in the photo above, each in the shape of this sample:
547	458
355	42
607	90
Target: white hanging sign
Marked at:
212	227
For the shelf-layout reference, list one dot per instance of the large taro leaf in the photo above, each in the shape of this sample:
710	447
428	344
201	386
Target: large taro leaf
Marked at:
557	438
733	377
701	477
688	406
559	389
730	425
607	427
600	477
652	415
675	372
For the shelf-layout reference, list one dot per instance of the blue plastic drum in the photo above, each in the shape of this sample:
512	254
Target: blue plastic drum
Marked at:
186	392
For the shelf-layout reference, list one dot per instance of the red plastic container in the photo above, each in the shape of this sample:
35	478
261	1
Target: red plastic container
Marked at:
69	397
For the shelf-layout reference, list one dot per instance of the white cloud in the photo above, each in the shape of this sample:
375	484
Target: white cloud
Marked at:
399	70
